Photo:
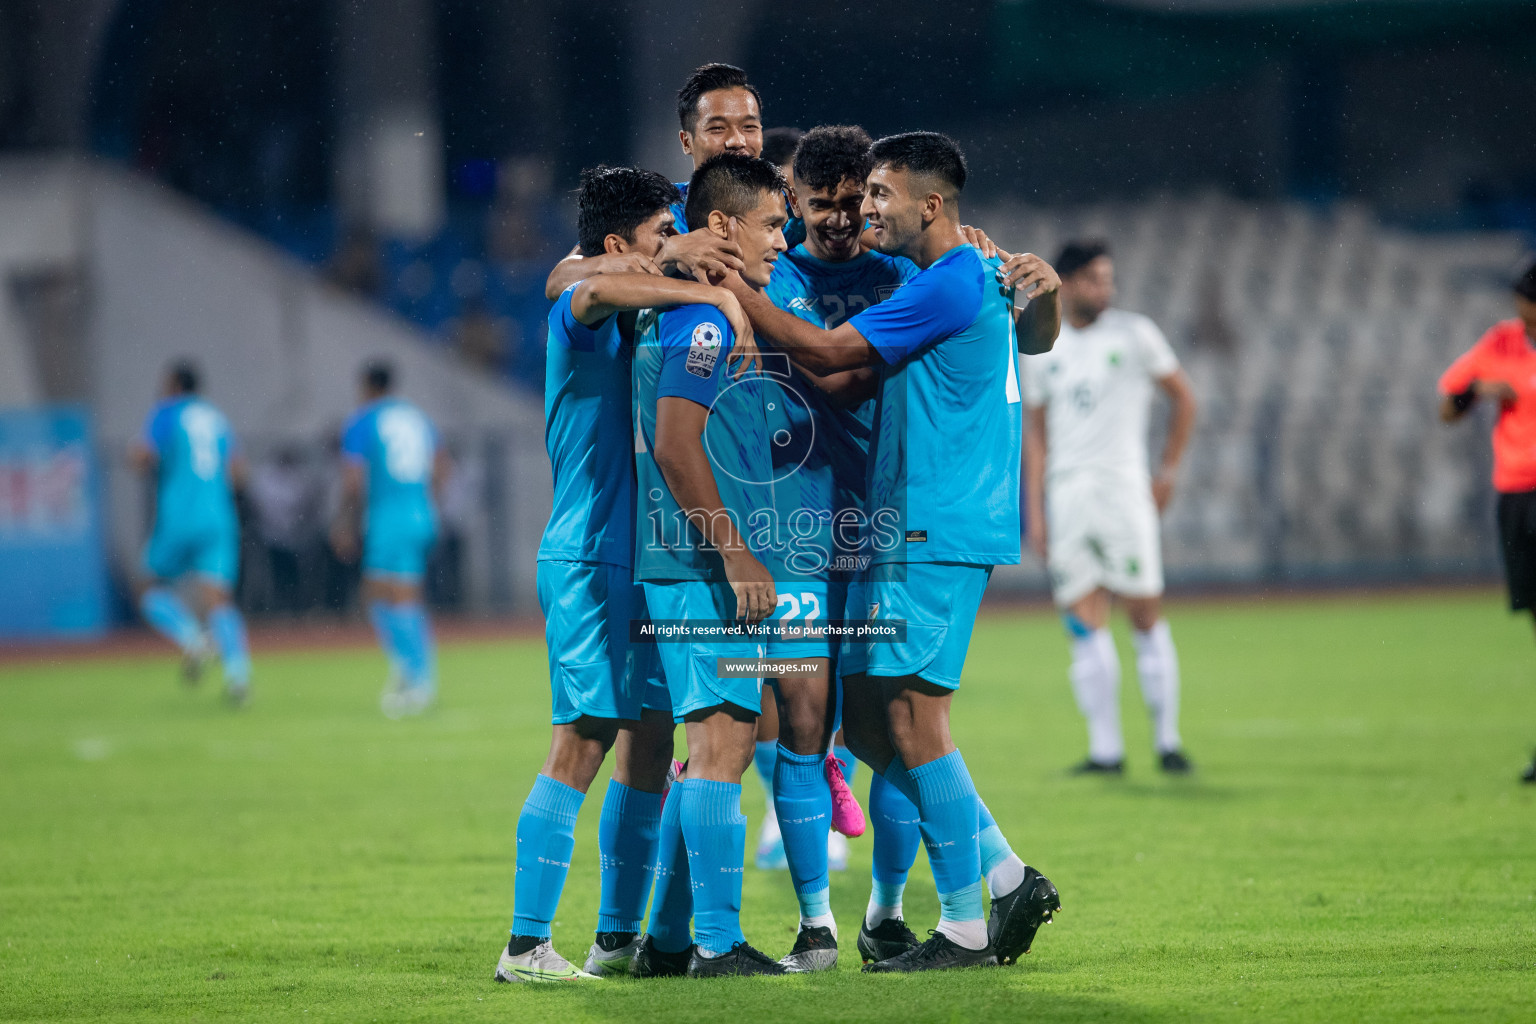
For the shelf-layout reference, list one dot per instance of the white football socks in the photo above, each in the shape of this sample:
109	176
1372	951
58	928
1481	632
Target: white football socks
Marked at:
1157	663
1096	683
1007	876
970	934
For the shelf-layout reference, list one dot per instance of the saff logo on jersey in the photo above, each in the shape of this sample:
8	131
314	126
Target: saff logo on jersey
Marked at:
703	350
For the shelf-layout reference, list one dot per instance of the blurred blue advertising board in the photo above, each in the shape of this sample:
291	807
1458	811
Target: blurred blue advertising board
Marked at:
53	579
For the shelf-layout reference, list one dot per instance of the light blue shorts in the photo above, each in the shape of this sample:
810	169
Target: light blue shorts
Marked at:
593	668
212	553
691	669
806	603
399	551
853	656
939	601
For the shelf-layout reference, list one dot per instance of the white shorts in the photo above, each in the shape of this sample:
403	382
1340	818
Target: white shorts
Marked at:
1103	533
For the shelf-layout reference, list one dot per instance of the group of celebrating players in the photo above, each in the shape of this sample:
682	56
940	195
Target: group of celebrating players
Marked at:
728	514
821	513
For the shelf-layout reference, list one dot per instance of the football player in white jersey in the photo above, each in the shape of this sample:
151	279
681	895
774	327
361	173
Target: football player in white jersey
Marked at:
1094	503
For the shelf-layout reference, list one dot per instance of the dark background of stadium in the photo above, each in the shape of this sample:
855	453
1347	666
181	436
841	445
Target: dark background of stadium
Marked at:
1422	107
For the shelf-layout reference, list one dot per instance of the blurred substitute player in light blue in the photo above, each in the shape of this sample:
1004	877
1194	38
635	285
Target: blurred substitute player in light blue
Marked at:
394	463
704	476
606	692
190	451
821	429
942	510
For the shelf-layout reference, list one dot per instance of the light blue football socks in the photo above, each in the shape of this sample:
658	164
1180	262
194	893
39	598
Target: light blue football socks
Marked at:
715	832
951	815
171	617
228	630
672	903
546	835
804	805
895	820
627	834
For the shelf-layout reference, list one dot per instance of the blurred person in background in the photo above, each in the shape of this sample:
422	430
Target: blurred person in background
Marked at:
1093	508
189	451
1501	368
393	462
287	512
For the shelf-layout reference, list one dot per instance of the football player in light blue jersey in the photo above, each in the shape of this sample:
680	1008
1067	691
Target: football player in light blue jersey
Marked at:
719	111
705	482
605	691
393	457
189	449
944	466
826	422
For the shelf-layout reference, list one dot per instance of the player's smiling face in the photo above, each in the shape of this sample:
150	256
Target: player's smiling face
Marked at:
759	232
893	211
833	222
728	122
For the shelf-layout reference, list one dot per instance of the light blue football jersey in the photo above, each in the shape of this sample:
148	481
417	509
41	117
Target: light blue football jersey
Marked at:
588	434
396	445
684	352
193	443
944	465
820	446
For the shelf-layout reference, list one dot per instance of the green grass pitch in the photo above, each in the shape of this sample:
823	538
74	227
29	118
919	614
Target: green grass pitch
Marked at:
1355	846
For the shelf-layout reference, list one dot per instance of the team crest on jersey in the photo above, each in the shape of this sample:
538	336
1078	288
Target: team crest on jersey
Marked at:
703	350
874	610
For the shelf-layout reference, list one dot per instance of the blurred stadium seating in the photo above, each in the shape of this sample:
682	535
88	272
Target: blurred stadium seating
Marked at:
1313	336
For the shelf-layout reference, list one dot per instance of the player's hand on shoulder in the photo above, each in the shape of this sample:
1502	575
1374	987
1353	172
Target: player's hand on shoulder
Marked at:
1029	275
701	256
752	583
978	238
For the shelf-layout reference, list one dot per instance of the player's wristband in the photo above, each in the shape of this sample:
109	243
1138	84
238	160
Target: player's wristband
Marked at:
1463	401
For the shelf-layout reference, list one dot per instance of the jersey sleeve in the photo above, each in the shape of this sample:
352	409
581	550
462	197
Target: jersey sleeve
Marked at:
696	343
354	438
941	301
1466	369
566	329
1156	354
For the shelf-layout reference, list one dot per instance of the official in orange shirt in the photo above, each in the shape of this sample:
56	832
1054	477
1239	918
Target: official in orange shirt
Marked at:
1501	368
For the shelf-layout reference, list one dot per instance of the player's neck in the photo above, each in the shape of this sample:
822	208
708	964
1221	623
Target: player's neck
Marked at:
935	240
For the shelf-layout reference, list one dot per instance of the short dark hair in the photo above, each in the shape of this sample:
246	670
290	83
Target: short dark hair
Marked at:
616	201
732	183
1077	254
831	154
779	145
1525	283
379	374
709	78
185	375
926	153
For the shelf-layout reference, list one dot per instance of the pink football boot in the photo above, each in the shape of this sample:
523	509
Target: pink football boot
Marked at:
847	815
